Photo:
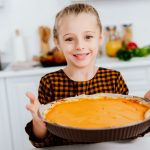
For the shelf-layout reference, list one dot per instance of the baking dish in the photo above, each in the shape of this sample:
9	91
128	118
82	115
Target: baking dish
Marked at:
97	134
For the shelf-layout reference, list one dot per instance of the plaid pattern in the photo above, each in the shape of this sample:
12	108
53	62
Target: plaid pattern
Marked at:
58	85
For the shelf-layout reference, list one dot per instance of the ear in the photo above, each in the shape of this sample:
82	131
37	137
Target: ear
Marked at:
100	38
57	44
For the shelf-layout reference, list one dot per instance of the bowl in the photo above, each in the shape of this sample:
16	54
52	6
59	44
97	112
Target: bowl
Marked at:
97	134
53	58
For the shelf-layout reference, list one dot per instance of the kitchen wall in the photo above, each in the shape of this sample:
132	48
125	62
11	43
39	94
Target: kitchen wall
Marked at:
28	15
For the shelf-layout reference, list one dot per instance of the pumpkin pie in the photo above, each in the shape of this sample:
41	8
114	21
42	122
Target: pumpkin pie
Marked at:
97	112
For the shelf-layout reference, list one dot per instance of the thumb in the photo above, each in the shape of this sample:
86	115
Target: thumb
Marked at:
147	95
32	111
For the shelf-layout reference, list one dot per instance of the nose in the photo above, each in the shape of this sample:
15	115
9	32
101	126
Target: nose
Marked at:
79	45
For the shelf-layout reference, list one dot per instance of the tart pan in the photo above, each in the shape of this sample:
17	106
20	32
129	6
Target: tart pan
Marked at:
98	134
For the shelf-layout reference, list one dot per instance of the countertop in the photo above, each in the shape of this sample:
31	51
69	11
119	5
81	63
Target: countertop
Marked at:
101	61
142	143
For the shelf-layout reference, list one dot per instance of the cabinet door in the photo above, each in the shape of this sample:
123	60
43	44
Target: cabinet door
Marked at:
136	79
16	88
5	134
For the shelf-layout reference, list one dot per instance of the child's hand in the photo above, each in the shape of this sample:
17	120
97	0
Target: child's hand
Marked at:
39	127
34	105
147	95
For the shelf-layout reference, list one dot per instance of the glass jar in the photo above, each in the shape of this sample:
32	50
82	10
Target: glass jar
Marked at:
127	33
114	42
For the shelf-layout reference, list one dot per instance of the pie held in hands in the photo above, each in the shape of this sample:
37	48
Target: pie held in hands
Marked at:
95	111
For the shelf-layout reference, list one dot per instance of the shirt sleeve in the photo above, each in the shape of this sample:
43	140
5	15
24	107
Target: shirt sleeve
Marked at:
49	140
120	85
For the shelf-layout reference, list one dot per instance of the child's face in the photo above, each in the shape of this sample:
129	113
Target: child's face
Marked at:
79	38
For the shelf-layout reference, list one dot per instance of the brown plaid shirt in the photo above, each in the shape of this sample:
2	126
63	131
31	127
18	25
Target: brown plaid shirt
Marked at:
57	85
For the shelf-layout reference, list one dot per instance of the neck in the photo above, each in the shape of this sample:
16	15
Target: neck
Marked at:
80	74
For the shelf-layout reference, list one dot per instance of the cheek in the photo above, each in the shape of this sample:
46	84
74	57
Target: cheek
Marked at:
94	46
69	47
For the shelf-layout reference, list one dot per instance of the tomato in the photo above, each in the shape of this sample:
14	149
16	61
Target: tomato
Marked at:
131	45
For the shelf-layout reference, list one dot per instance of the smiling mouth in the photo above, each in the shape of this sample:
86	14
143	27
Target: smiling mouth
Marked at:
81	56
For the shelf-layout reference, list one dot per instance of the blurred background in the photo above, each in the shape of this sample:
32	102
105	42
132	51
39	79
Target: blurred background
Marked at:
27	16
27	53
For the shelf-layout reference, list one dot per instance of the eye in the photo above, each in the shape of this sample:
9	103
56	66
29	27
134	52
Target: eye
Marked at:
87	37
69	39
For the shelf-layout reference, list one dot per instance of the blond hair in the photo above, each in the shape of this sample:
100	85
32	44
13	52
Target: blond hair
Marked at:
75	9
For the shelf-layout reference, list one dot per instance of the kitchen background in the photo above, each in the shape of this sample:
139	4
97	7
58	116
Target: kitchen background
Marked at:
28	15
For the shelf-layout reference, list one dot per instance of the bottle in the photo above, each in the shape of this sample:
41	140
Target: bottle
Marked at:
127	33
114	42
19	47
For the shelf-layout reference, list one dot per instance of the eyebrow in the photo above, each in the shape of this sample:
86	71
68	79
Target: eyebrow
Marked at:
72	33
67	34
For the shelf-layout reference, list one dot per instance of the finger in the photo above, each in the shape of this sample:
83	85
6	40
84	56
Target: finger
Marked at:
29	108
31	97
147	95
32	111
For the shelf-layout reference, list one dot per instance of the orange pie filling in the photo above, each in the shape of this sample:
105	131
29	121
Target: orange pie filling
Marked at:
102	112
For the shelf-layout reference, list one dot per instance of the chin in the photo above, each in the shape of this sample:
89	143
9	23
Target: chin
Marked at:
82	65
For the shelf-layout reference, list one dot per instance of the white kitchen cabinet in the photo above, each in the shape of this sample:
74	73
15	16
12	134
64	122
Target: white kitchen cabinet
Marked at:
16	89
137	79
5	132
